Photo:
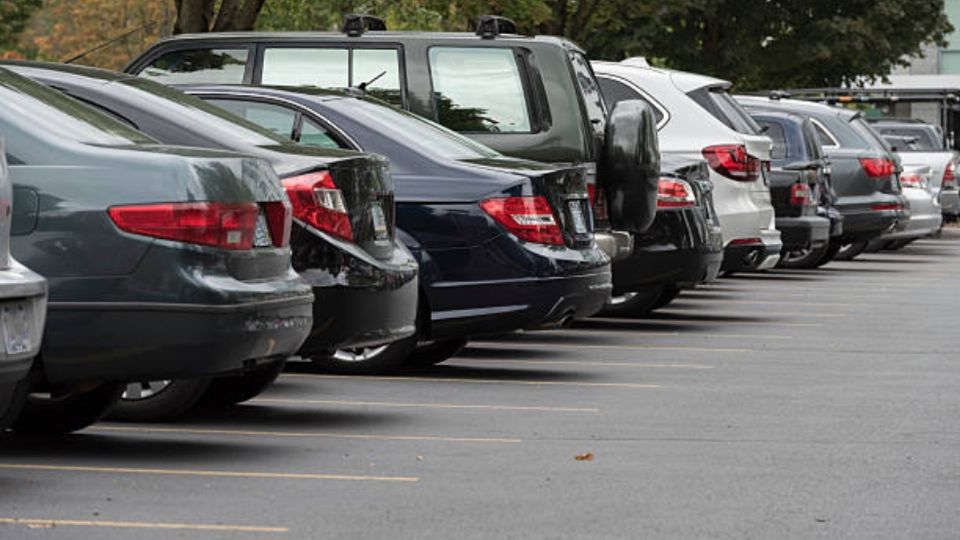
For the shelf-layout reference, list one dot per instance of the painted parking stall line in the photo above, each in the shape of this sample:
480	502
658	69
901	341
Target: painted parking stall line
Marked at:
306	435
47	523
442	406
449	380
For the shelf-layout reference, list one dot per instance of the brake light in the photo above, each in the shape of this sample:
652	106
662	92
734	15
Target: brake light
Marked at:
675	193
222	225
799	194
733	161
883	207
318	202
528	218
279	221
911	180
877	167
949	176
599	204
746	242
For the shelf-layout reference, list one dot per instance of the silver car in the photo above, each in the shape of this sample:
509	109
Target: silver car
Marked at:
925	211
23	310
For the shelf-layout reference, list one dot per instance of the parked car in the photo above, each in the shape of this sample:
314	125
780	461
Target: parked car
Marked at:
801	190
864	171
344	238
163	262
922	144
23	308
697	119
925	216
529	97
503	243
682	249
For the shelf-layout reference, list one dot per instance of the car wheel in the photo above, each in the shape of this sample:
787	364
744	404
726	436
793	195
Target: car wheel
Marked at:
66	409
831	253
669	294
807	258
850	251
367	360
158	401
894	245
13	397
226	391
634	304
436	352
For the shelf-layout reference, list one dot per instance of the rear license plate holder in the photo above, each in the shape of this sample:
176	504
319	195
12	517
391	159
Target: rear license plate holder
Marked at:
576	215
15	322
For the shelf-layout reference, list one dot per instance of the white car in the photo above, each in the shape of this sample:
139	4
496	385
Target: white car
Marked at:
697	118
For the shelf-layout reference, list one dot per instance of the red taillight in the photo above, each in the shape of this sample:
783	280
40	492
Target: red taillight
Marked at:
799	194
949	176
733	161
886	207
528	218
317	202
222	225
279	221
911	180
599	204
877	167
675	193
746	242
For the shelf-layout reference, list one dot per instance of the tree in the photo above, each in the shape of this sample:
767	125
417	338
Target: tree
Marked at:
14	15
216	15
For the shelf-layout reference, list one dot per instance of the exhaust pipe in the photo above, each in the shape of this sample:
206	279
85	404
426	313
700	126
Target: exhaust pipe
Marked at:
752	258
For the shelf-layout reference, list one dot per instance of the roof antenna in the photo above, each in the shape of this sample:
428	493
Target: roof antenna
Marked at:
111	41
363	86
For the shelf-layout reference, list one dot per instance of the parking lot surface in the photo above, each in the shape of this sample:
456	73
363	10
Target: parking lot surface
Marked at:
792	404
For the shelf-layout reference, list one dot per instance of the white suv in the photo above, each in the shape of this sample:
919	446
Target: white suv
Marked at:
696	118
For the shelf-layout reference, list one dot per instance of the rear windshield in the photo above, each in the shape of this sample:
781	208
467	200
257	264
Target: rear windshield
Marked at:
716	101
925	139
428	137
63	116
864	130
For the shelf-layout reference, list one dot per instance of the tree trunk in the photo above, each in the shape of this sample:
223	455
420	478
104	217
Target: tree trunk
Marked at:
237	15
193	16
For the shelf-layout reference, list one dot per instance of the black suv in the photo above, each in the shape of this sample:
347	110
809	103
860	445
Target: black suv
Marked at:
529	97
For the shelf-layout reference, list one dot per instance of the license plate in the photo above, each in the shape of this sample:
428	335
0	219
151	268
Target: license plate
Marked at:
261	237
379	222
576	211
15	320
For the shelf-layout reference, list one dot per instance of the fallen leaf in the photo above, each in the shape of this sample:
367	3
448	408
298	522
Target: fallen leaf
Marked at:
588	456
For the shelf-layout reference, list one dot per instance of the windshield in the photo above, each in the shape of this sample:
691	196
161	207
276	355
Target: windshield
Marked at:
201	115
924	139
64	116
428	137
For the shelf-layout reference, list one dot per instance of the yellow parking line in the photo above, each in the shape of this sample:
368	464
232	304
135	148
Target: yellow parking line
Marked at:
34	523
540	345
205	473
472	381
426	405
295	434
459	359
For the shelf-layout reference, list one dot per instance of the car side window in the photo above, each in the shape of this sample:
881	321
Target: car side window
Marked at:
335	68
279	120
779	138
215	66
479	90
824	137
13	160
615	91
313	134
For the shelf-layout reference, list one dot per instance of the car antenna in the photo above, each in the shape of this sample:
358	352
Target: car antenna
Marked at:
111	41
363	86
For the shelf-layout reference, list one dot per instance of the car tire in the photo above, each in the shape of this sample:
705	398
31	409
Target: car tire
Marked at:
435	352
669	294
226	391
848	252
165	400
66	411
367	360
635	304
831	253
895	245
14	397
808	259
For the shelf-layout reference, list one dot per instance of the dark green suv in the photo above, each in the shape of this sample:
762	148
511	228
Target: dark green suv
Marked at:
531	97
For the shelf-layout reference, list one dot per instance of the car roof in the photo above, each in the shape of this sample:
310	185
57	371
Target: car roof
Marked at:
795	105
86	71
683	80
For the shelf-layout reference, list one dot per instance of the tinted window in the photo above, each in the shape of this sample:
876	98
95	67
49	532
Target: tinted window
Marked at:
824	138
867	133
13	160
590	89
779	138
201	65
313	134
285	122
330	68
614	92
925	139
716	101
478	90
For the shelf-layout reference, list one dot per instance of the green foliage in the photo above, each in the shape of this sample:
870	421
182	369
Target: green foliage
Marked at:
14	15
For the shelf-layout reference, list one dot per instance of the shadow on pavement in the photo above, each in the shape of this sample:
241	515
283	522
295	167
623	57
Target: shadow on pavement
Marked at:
288	417
480	372
121	449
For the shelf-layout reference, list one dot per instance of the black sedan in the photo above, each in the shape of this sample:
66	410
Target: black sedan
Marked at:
502	243
344	237
163	262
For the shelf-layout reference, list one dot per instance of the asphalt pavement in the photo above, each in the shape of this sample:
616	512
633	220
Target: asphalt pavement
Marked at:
792	404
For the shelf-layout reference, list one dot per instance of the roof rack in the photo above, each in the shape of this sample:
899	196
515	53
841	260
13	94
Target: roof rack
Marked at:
355	24
491	26
777	95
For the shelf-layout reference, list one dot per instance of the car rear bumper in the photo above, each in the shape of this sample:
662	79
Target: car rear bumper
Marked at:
21	288
918	226
803	232
862	223
360	301
680	248
950	202
761	255
528	303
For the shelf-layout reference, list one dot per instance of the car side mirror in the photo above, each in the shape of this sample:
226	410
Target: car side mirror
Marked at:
630	166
